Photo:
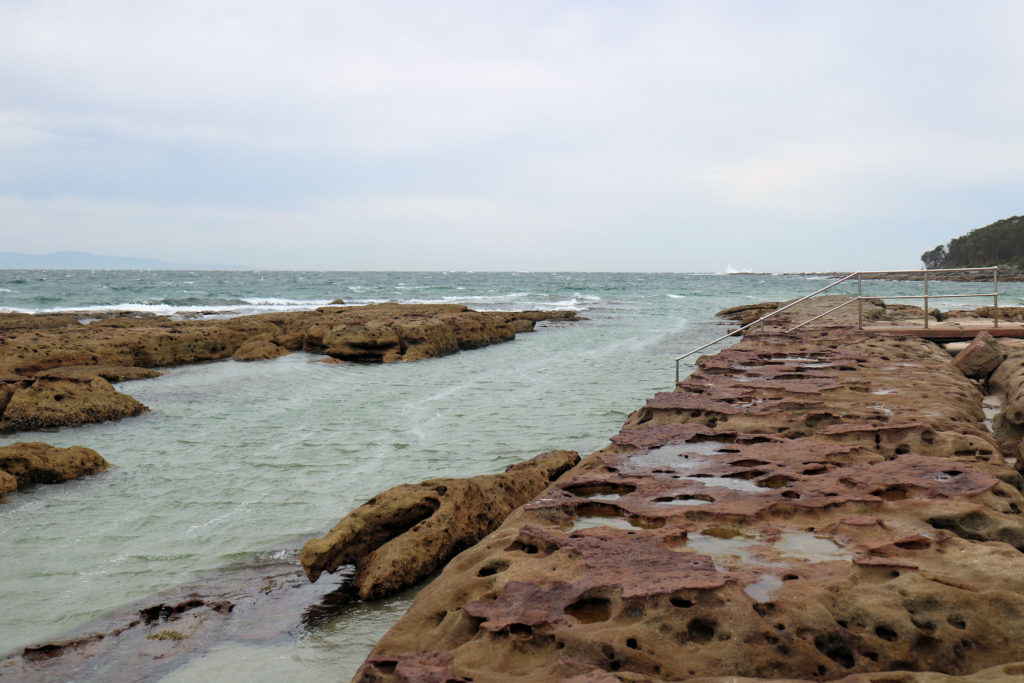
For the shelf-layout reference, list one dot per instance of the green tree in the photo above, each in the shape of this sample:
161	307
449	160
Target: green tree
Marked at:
933	258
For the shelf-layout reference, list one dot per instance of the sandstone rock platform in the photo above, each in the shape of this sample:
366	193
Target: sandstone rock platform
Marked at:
822	505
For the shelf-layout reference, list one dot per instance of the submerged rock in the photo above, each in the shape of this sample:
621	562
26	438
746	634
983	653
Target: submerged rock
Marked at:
39	463
401	536
255	602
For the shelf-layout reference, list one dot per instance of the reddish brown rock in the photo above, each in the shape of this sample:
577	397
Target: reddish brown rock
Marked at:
404	534
40	463
980	358
825	505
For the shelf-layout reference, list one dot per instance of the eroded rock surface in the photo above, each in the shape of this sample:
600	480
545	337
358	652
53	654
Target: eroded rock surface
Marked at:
25	464
401	536
826	505
55	370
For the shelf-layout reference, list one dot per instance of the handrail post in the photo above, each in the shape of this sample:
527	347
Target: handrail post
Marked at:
860	301
926	299
995	294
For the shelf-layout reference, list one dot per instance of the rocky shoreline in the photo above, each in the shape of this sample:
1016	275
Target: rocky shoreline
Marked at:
56	369
266	600
826	505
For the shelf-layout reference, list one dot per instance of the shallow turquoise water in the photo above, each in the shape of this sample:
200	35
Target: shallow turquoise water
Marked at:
236	457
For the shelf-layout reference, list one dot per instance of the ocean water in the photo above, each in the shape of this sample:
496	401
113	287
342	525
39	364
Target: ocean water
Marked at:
235	458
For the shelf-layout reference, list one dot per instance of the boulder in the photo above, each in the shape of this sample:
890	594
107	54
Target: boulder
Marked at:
337	302
980	358
401	536
40	463
56	402
8	483
259	349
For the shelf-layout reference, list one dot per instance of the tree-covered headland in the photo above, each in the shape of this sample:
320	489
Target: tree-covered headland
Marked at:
999	244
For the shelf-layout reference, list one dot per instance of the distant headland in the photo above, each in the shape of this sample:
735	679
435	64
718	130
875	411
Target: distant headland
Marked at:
998	244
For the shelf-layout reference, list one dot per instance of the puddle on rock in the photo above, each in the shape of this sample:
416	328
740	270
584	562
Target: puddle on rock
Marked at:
733	483
811	548
719	542
991	405
684	500
762	589
682	456
614	521
600	496
882	392
713	546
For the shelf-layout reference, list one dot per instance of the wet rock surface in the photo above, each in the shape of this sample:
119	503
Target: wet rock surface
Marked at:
395	540
55	369
405	534
263	601
26	464
823	505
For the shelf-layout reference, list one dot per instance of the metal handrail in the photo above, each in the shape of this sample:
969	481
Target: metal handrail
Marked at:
860	298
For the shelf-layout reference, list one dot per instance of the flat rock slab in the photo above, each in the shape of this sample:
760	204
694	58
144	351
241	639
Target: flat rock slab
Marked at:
826	505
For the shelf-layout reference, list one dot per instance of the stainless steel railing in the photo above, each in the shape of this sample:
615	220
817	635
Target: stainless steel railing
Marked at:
860	298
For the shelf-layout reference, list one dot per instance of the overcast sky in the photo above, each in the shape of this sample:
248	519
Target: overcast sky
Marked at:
526	135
